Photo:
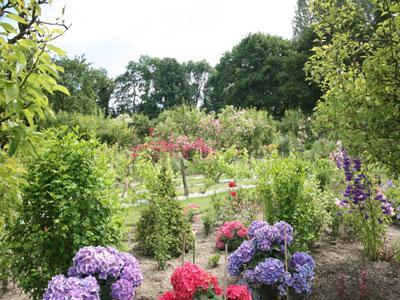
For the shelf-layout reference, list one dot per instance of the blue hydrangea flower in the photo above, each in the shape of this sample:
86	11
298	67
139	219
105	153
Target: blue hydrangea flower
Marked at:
270	272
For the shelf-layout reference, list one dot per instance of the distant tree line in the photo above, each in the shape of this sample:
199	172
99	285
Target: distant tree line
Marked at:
262	71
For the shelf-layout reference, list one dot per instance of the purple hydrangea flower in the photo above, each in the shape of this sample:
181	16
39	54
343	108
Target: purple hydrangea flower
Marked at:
234	264
131	270
122	290
284	230
302	268
60	287
270	272
266	236
254	226
249	276
240	256
107	263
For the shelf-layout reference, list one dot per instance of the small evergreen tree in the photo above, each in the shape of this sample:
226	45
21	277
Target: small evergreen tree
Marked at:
163	226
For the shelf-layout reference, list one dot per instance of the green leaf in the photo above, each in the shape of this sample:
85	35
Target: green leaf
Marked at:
17	18
8	27
56	49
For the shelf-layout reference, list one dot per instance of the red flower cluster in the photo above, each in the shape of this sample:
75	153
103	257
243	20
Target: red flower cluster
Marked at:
237	292
233	193
180	144
187	147
232	184
230	231
189	279
154	147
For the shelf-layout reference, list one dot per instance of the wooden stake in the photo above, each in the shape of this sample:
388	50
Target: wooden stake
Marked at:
194	246
226	269
183	248
286	261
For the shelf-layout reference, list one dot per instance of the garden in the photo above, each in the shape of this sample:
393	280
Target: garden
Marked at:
206	198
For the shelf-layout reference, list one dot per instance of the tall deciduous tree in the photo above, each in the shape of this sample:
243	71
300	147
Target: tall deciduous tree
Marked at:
90	88
357	64
152	85
264	72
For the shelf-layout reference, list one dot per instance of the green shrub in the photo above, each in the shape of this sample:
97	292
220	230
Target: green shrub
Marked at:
69	203
162	225
107	130
213	261
324	171
208	219
291	195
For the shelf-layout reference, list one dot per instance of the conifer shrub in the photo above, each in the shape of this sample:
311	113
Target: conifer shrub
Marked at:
163	226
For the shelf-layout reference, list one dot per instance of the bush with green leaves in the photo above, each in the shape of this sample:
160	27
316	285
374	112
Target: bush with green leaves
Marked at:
213	261
291	194
230	162
248	129
107	130
163	226
70	202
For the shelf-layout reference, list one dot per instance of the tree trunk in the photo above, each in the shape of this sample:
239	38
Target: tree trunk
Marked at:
183	172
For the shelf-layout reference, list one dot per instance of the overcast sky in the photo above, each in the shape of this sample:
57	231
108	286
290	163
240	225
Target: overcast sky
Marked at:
111	33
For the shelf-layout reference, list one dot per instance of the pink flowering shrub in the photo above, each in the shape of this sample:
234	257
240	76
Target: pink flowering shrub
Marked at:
190	282
233	233
238	292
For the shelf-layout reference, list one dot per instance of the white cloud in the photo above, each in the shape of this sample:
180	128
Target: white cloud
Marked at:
111	33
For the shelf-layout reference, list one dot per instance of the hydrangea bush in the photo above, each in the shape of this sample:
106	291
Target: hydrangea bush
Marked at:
259	262
232	233
190	281
97	272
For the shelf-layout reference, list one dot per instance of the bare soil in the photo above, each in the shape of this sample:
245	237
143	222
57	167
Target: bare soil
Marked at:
339	265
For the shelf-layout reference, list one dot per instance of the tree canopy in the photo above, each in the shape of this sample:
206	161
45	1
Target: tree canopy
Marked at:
264	72
90	88
152	85
357	64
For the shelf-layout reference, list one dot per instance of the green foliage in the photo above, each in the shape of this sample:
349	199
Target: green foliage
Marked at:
264	72
162	226
90	88
292	195
70	202
11	182
27	71
208	219
213	261
231	162
152	85
183	120
246	128
324	171
355	62
141	124
107	130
